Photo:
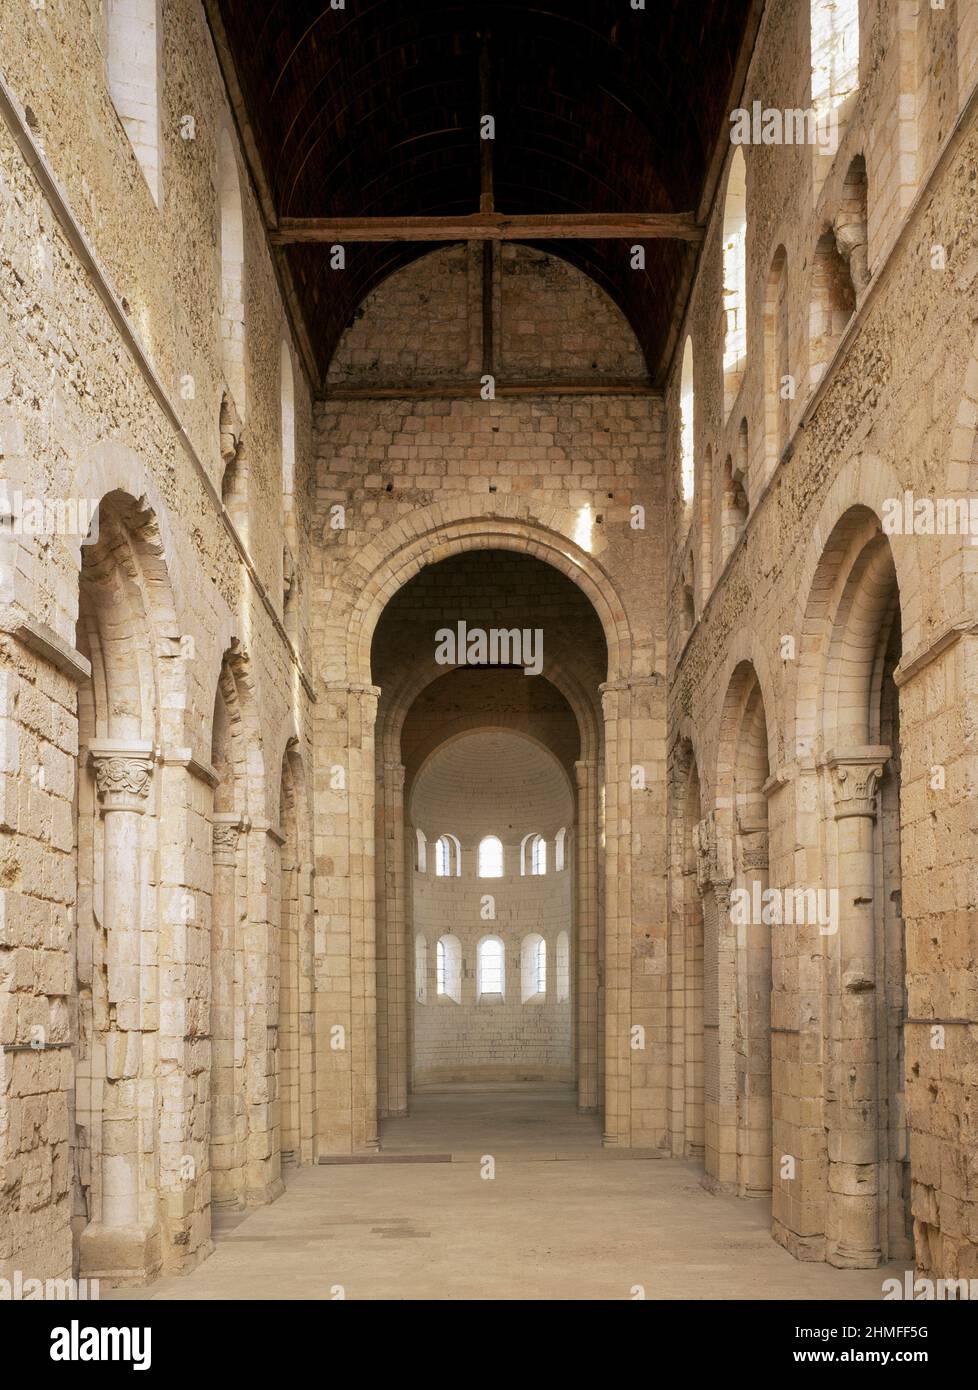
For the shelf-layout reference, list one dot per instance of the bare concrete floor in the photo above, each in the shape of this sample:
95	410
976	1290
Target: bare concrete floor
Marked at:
579	1224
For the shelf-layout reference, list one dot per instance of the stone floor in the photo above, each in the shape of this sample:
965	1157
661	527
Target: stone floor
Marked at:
561	1219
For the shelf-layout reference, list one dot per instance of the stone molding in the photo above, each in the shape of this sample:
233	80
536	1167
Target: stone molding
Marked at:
123	773
856	774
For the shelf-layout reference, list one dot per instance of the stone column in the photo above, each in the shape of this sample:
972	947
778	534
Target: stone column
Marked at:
346	967
714	874
753	940
258	964
617	915
585	939
227	1115
122	1242
854	1114
397	953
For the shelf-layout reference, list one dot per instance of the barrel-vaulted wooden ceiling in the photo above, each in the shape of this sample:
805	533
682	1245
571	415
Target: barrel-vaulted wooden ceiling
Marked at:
374	110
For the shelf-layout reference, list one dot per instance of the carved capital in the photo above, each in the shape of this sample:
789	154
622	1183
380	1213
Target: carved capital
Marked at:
122	780
754	852
856	774
714	858
225	832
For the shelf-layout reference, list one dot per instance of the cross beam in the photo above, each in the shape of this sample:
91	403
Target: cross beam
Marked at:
491	226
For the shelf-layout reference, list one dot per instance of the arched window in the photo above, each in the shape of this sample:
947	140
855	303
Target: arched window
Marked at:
448	968
490	967
533	855
735	280
559	849
232	273
779	390
734	516
287	384
563	967
421	969
833	300
448	857
132	69
533	963
538	857
491	857
835	52
687	437
421	863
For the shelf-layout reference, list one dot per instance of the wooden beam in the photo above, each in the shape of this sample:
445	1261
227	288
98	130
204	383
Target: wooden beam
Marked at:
436	390
491	226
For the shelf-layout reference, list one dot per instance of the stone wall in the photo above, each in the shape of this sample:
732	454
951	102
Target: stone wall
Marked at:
110	392
810	590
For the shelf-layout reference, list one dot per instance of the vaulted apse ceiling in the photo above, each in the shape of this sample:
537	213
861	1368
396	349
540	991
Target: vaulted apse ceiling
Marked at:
374	110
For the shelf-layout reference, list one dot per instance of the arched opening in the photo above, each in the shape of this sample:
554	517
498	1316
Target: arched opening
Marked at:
735	509
835	52
132	69
852	649
687	427
496	754
833	299
448	857
228	1121
491	857
754	936
734	280
779	386
123	607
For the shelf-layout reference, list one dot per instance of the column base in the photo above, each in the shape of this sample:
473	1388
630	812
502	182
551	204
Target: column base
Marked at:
847	1257
120	1256
267	1192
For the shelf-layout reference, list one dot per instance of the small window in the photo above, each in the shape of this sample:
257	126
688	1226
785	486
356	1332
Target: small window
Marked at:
421	969
563	967
448	857
491	967
533	855
491	857
132	69
559	849
448	968
835	52
534	967
687	435
422	854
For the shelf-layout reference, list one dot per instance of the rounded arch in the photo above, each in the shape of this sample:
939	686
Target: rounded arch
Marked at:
397	702
487	728
744	748
734	279
854	595
365	589
125	608
687	425
235	693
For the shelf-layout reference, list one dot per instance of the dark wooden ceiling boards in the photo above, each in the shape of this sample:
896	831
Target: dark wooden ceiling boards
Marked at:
374	109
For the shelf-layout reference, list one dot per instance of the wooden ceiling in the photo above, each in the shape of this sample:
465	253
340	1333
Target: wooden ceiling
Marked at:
374	110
